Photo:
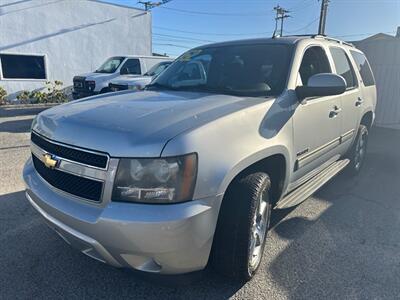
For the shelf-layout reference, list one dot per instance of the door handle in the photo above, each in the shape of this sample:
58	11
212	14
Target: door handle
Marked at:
333	113
359	101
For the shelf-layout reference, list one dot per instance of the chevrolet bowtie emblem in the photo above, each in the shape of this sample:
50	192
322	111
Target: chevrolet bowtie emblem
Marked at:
49	161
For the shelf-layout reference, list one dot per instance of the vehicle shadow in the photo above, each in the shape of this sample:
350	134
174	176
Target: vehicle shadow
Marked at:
351	248
8	112
36	263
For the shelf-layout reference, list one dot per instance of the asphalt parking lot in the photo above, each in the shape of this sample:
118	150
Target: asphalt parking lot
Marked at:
342	243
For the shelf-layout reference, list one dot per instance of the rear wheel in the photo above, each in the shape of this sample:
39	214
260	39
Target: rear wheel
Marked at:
242	227
358	151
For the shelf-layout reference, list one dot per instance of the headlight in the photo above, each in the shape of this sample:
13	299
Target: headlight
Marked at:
91	84
160	180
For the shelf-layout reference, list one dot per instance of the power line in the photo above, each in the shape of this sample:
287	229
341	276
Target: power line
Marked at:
182	37
210	33
193	12
172	45
304	27
301	6
183	43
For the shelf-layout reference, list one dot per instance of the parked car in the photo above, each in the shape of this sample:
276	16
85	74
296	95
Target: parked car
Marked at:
97	82
133	82
187	172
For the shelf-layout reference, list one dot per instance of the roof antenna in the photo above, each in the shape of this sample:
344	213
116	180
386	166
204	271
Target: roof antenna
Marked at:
281	14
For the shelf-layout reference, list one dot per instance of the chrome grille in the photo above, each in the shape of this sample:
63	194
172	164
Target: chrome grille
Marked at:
72	184
87	158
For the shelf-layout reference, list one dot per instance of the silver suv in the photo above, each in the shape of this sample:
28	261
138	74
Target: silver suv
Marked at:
188	171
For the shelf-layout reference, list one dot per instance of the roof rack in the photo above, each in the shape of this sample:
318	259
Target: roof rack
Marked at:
318	36
334	40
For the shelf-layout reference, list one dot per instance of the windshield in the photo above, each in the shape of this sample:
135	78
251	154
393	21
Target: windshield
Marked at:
157	69
111	65
245	70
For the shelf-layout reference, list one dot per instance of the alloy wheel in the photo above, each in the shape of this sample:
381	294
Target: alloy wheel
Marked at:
259	231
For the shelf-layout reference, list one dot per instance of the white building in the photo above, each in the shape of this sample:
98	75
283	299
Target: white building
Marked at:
44	40
383	53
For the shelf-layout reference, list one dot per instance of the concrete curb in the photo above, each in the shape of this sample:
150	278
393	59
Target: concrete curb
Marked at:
20	106
14	110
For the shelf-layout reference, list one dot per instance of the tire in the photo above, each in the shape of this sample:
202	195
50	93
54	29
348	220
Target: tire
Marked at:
358	151
104	90
235	240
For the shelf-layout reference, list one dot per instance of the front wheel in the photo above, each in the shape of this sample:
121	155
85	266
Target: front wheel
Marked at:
242	227
358	151
105	90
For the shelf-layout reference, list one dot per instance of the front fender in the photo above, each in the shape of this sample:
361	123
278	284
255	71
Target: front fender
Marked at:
230	144
251	160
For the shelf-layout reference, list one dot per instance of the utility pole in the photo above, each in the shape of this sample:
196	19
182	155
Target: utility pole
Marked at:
281	14
148	5
322	18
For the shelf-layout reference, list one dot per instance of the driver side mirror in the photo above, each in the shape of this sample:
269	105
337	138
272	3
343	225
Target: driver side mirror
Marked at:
124	71
322	84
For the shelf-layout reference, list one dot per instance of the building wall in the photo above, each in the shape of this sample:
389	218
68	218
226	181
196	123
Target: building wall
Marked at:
384	57
75	35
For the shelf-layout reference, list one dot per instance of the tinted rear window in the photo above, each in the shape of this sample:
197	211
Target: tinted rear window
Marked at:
363	67
344	67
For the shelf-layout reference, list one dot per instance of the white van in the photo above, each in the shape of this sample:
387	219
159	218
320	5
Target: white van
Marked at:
97	82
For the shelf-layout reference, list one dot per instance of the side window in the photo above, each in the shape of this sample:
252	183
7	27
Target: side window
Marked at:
131	66
364	68
192	73
15	66
344	67
314	62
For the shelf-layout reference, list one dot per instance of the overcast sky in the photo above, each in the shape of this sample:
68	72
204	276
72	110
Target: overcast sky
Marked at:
182	24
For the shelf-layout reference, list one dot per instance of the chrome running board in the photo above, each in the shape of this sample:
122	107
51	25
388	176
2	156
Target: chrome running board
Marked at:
307	189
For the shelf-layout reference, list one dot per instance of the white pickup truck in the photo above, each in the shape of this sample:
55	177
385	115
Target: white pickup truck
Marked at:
97	82
134	82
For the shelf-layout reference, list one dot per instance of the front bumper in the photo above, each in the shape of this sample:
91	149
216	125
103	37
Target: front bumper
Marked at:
165	239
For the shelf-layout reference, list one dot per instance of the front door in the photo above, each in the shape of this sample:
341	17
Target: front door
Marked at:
317	121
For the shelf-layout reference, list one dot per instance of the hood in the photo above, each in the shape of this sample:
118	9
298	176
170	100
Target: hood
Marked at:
131	80
98	76
129	124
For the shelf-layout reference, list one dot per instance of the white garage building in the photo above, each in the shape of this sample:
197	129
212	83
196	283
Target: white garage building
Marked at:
383	53
44	40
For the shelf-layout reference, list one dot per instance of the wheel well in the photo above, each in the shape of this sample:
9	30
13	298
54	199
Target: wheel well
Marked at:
274	166
367	119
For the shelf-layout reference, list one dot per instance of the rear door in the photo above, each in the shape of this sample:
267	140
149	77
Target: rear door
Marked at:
367	81
351	99
317	121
